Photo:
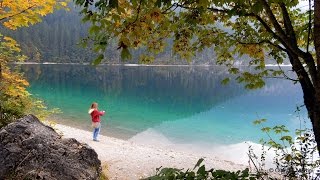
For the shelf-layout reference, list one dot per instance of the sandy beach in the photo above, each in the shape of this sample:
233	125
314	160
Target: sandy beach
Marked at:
130	160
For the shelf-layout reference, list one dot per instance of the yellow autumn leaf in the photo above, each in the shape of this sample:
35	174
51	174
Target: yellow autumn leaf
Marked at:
63	3
20	13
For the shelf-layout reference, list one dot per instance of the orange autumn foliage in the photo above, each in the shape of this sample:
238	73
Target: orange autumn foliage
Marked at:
15	100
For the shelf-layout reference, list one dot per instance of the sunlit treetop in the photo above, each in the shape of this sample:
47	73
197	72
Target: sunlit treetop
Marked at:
18	13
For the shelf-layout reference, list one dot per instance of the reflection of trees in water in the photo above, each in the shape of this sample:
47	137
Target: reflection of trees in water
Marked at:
187	89
151	94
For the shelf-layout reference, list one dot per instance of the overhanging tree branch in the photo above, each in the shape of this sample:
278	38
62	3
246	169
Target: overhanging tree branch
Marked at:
292	38
264	23
273	19
291	46
268	28
10	16
280	35
288	24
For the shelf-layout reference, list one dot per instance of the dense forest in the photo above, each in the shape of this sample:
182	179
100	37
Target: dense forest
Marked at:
55	39
58	37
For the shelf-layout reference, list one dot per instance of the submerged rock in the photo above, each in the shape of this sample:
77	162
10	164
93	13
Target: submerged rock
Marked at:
32	150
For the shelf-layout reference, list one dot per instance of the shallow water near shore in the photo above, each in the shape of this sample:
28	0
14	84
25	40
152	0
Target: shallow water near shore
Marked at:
166	105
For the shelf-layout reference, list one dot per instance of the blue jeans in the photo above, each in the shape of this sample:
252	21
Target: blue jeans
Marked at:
96	132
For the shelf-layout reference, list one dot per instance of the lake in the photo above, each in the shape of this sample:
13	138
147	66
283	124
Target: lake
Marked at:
171	104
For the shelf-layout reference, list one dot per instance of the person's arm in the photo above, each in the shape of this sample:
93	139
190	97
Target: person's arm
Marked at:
101	113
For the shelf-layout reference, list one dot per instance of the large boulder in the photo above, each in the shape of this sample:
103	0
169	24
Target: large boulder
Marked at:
31	150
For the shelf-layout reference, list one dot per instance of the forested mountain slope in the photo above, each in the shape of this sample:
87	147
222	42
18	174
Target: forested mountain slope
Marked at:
57	39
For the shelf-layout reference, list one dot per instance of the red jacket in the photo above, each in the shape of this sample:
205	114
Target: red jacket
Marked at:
95	115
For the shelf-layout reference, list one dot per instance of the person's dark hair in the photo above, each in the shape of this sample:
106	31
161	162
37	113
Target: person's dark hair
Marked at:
94	105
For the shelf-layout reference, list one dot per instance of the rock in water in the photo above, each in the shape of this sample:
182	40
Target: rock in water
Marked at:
32	150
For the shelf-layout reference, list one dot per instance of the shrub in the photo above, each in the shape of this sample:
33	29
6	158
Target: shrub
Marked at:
199	172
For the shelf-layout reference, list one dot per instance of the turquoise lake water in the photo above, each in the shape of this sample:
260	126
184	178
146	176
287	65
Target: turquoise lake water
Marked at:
184	104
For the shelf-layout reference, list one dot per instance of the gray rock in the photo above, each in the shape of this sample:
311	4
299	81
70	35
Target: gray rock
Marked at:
32	150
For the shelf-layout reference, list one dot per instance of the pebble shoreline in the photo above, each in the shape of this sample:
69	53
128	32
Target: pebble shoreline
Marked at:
128	160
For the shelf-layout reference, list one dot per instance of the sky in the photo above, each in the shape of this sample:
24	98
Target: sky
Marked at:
304	4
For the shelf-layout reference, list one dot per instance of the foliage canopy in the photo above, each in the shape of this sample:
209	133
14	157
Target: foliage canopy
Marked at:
19	13
15	99
239	31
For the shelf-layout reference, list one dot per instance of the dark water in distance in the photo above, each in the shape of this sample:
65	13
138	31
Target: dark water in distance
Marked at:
183	104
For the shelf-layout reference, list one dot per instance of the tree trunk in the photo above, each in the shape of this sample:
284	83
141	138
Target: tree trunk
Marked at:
1	82
312	102
0	73
316	32
315	114
315	119
311	93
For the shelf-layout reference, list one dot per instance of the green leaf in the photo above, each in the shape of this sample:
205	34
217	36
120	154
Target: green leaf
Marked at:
234	70
225	81
113	3
259	121
202	171
125	54
288	158
79	2
98	60
286	138
245	173
266	129
198	163
257	7
158	3
94	29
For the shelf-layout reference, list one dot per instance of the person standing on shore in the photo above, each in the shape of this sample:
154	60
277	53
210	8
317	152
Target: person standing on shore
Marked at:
95	117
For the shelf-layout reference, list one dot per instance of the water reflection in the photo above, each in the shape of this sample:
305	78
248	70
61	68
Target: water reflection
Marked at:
138	98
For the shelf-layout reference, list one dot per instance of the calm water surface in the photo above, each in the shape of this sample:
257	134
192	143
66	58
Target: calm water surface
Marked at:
184	105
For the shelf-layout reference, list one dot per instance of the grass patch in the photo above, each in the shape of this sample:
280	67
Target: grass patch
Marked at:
105	172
